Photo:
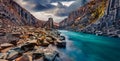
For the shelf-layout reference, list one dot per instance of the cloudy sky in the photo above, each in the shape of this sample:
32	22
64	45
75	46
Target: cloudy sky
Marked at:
57	9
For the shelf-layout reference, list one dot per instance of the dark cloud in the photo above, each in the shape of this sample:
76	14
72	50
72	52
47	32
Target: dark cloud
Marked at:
59	11
76	5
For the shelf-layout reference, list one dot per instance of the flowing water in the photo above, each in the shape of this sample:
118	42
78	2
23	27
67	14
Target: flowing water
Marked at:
88	47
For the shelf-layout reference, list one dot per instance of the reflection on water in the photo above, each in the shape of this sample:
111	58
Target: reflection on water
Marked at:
87	47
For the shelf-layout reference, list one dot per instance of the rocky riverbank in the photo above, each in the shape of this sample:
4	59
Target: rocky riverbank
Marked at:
30	44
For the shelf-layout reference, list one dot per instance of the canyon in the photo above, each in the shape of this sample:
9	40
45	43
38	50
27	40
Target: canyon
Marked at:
96	18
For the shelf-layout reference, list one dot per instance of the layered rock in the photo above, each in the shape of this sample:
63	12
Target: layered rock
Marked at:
31	44
13	14
49	24
96	17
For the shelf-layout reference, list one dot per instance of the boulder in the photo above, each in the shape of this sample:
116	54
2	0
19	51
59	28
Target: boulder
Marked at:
50	40
62	38
37	55
45	43
12	54
61	44
2	33
28	46
3	60
3	55
18	49
50	56
6	45
24	58
50	53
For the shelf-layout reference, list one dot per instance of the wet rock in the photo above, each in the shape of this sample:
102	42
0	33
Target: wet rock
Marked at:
28	47
37	55
62	38
61	44
18	49
12	54
50	53
5	45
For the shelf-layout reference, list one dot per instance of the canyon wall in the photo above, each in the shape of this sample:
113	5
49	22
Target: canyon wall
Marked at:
13	14
101	17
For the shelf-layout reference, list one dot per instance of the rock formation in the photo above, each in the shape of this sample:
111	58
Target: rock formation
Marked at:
101	17
13	14
49	24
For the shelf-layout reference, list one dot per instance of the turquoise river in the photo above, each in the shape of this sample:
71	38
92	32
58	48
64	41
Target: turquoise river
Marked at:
88	47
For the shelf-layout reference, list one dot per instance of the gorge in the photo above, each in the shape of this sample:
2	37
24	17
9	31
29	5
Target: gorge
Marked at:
89	33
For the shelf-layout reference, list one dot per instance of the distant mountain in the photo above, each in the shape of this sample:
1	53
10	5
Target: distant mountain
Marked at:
101	17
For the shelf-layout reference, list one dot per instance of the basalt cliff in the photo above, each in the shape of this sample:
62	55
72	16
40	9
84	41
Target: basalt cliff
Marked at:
13	14
100	17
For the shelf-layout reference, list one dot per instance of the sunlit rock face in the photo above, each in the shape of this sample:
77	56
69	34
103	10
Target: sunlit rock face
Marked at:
97	17
12	13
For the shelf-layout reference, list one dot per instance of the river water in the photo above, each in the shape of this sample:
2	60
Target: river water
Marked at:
88	47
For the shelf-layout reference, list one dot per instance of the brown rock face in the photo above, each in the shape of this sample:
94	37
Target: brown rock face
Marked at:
100	17
13	14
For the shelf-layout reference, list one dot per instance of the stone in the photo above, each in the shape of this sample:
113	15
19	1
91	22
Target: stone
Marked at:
32	41
45	43
2	33
5	50
50	56
40	59
61	44
50	40
37	55
3	55
5	45
28	46
12	54
62	38
3	60
24	58
18	49
50	53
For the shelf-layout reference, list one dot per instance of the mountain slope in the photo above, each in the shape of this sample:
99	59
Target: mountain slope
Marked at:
13	14
97	17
